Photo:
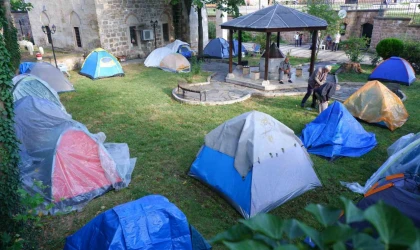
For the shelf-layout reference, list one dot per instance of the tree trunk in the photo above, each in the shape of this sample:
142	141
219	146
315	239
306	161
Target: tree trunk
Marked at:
200	33
8	11
350	67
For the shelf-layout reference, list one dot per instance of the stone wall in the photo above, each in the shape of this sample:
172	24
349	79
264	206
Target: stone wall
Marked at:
115	18
22	24
65	15
393	27
355	19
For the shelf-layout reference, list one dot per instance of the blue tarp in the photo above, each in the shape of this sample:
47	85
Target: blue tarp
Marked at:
185	51
236	45
335	132
100	64
394	69
151	222
25	66
217	48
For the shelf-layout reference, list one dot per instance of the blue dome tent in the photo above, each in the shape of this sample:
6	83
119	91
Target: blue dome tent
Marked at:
255	162
394	69
151	222
336	133
100	64
236	45
217	48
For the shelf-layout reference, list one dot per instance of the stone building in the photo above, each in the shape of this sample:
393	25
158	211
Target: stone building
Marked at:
122	27
22	24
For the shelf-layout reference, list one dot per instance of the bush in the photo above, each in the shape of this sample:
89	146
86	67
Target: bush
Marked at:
411	53
246	36
354	47
212	30
390	47
375	59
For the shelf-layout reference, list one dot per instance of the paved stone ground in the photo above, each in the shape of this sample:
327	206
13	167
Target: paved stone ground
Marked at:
323	55
219	92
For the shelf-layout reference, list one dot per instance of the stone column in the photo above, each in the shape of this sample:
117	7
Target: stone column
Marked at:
193	17
219	20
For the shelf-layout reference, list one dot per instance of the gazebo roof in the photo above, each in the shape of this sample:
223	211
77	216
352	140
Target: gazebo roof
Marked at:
276	18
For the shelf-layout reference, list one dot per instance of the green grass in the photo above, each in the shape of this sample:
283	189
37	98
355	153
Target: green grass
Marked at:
352	77
166	135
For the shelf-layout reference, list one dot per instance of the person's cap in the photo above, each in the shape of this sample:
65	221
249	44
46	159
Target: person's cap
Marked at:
328	67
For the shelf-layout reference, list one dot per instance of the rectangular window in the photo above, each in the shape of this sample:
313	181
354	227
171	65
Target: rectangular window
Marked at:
48	35
77	34
165	31
133	36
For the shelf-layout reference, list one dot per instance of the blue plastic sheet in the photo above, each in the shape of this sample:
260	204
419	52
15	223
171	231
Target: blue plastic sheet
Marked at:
151	222
25	66
335	132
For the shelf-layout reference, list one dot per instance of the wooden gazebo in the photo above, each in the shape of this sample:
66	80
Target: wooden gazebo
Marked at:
276	18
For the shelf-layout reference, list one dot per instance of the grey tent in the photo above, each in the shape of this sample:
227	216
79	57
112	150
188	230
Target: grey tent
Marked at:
255	162
73	165
29	85
53	76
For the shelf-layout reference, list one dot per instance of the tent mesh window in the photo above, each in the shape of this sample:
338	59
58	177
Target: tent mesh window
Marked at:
165	31
133	36
77	35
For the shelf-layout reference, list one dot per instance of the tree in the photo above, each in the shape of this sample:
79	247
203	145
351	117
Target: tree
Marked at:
229	6
353	47
20	5
322	10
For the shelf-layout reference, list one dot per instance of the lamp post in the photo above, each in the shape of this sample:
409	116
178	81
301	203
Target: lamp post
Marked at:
154	24
49	32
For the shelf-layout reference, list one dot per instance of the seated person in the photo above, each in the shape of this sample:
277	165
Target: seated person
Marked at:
285	68
324	93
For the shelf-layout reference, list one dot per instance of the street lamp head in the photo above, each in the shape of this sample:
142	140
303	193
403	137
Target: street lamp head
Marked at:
44	29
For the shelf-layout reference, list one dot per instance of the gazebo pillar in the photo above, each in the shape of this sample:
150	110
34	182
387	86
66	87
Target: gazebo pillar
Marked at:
239	47
314	39
278	39
230	50
267	55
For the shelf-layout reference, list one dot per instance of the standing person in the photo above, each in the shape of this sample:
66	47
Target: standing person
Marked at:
336	41
297	39
285	68
300	39
318	77
324	93
329	41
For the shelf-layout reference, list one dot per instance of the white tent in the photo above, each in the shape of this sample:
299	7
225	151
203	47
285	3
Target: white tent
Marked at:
175	45
255	162
154	58
404	157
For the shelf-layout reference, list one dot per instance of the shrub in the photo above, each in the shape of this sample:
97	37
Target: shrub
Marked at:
375	59
411	53
389	47
353	47
246	36
212	30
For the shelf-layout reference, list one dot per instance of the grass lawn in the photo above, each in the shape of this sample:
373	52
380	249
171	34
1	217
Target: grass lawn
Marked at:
166	135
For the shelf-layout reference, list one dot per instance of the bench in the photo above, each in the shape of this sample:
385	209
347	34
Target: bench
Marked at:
187	88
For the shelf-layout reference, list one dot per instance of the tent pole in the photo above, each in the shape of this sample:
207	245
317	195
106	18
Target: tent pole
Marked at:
267	54
314	39
278	39
230	50
239	47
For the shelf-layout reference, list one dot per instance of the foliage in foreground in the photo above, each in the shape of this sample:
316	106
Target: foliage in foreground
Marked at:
266	231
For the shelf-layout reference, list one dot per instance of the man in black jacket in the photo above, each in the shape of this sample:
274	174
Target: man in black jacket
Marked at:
323	94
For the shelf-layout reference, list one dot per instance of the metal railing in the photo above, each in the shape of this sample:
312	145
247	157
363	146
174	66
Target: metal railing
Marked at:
387	8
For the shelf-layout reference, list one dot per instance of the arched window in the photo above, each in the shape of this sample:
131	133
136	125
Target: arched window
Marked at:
132	23
76	24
